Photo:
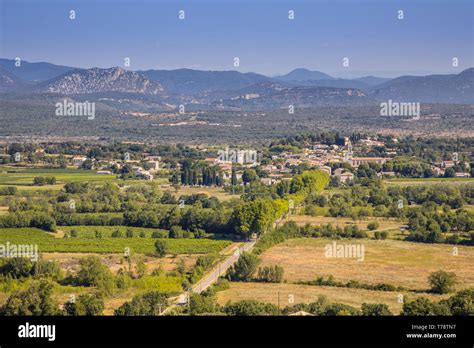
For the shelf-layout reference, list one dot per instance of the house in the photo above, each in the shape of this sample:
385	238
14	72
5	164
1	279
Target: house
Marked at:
78	160
268	181
325	169
447	164
153	165
370	142
104	172
268	168
462	175
145	174
343	176
153	158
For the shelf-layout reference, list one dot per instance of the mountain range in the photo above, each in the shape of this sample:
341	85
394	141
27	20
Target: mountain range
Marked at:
167	89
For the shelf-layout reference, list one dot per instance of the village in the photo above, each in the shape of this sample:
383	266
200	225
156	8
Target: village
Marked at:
229	165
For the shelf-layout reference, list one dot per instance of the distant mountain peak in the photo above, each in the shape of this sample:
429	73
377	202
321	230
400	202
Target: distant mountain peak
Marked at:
96	80
303	74
34	72
452	88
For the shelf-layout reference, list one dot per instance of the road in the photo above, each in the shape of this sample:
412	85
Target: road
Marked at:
211	277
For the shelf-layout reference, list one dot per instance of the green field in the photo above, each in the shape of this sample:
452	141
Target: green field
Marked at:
23	177
48	243
106	231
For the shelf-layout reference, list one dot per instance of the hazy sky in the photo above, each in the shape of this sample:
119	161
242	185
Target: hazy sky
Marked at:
257	31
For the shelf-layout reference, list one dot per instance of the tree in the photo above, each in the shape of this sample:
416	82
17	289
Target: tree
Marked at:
250	308
423	307
442	282
249	175
85	304
461	303
200	304
270	274
244	268
16	267
141	268
449	173
181	267
375	309
340	309
36	300
233	180
150	303
94	273
161	248
312	181
38	181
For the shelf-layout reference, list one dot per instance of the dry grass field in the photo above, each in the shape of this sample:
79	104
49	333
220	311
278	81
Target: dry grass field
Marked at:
3	210
70	261
385	261
384	223
270	293
217	192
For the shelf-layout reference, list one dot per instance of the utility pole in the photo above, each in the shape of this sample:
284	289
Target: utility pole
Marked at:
278	302
189	305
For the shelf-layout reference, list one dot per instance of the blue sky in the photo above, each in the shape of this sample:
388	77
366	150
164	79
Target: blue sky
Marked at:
257	31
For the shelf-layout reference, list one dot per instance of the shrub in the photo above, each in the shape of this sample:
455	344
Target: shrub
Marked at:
161	248
123	281
37	299
86	304
94	273
250	308
116	234
423	307
200	304
375	309
160	234
442	282
461	303
373	225
244	268
270	274
340	309
151	303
